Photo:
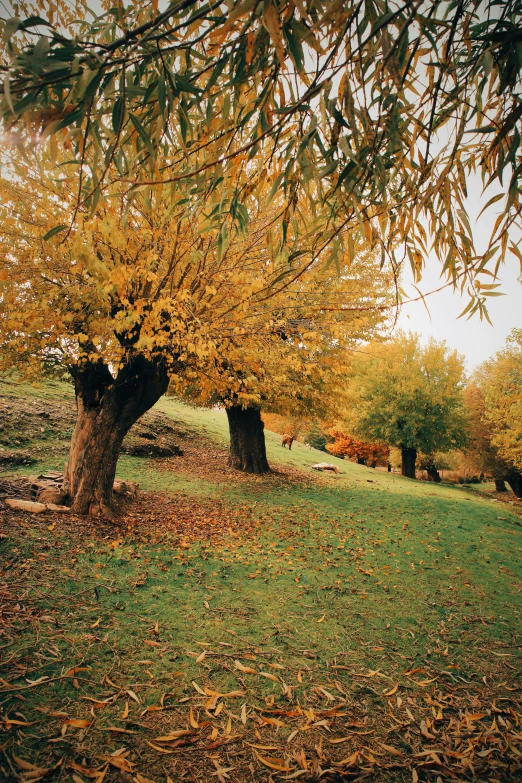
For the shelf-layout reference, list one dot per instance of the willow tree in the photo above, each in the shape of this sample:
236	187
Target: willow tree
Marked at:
396	107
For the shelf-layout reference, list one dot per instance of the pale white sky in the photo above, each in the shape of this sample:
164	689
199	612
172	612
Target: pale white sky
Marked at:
476	339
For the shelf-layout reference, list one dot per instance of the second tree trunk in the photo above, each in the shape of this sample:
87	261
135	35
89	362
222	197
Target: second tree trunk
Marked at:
514	479
409	458
433	474
247	440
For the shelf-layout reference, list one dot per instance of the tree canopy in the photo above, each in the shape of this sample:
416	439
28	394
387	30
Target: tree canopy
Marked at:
405	395
164	277
163	290
483	453
500	380
385	111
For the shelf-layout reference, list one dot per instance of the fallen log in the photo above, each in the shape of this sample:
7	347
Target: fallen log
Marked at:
325	466
35	507
26	505
46	493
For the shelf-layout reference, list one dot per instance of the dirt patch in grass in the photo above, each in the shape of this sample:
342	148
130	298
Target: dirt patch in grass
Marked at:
43	422
205	461
153	518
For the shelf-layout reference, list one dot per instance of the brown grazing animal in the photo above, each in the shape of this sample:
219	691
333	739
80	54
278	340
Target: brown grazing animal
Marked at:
287	441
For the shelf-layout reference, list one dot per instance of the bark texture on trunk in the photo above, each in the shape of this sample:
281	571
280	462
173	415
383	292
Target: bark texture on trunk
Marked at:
409	458
500	485
514	479
107	407
247	440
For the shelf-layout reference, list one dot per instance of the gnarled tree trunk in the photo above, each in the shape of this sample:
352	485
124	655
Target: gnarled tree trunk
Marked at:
409	458
247	440
514	479
107	407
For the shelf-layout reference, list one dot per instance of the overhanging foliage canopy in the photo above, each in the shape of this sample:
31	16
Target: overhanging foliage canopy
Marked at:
385	111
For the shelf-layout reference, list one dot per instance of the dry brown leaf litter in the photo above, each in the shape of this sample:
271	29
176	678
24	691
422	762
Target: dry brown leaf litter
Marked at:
428	730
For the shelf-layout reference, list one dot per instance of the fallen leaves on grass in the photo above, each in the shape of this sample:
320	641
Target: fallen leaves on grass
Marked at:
327	720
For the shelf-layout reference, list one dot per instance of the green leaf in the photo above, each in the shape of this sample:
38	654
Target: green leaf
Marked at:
305	141
53	232
328	169
162	94
216	73
183	85
142	133
275	187
483	129
282	275
333	258
34	21
75	116
117	114
294	47
346	172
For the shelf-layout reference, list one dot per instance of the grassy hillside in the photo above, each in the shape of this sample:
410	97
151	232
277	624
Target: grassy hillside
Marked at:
289	626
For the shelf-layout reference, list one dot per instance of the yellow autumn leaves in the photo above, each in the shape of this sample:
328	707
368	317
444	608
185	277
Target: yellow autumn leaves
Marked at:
249	313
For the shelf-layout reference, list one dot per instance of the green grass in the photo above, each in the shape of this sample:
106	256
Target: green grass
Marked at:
333	578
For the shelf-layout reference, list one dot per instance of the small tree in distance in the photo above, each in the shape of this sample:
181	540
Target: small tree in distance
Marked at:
347	446
410	397
502	388
494	399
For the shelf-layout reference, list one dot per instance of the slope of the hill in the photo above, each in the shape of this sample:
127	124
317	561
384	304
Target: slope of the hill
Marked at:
242	628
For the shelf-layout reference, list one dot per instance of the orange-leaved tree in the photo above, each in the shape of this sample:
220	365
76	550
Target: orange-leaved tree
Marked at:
365	453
